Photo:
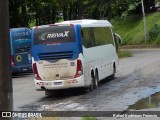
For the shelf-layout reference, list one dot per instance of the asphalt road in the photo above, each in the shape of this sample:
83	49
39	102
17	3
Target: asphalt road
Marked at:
137	77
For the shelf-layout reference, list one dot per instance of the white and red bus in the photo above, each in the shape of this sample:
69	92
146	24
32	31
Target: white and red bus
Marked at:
73	54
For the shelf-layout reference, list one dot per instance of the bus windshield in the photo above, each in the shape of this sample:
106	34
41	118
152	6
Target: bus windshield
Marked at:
20	39
54	35
21	36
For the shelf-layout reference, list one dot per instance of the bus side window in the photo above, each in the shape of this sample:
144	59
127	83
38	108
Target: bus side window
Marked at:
86	38
81	33
103	35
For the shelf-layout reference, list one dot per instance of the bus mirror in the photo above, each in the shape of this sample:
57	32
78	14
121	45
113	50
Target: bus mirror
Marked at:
120	41
118	38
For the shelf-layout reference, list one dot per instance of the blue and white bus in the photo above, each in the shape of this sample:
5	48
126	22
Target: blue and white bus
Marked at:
73	54
20	40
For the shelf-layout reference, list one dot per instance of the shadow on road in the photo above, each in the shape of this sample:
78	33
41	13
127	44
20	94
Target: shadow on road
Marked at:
62	94
68	93
24	74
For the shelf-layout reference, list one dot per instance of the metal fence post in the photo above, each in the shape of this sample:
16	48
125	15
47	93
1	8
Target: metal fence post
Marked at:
144	20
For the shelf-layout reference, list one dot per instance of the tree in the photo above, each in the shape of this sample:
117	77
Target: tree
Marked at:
38	12
71	9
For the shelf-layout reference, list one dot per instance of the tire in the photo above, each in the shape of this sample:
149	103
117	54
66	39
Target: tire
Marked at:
96	79
114	72
91	87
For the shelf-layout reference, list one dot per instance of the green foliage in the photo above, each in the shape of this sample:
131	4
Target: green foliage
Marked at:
89	118
124	54
132	29
24	12
154	32
131	5
157	40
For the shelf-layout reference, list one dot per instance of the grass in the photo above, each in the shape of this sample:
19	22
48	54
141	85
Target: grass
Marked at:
124	54
132	29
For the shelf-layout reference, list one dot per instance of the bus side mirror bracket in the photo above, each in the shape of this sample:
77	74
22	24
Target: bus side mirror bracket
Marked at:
118	39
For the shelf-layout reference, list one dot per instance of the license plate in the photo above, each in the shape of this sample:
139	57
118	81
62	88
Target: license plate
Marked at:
57	83
24	69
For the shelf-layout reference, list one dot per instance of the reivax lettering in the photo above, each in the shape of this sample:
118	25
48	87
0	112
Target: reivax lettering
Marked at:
56	35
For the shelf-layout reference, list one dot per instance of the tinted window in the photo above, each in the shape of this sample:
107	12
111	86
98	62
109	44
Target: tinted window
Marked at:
54	34
86	37
20	35
95	36
102	36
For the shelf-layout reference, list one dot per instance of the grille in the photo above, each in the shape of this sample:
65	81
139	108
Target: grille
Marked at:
56	55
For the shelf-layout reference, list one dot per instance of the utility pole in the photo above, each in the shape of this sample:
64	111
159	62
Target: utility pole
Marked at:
6	91
144	20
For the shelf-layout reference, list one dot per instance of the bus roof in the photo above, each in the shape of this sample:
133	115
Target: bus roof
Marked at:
21	28
87	23
83	23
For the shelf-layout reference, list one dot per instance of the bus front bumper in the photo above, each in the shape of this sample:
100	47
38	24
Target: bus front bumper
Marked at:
59	84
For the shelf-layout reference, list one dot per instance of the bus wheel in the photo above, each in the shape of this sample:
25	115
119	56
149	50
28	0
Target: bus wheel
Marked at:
114	72
91	87
96	79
